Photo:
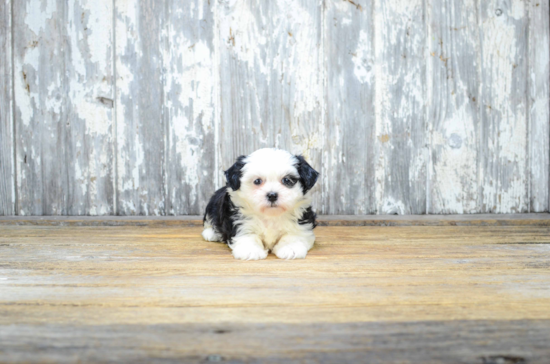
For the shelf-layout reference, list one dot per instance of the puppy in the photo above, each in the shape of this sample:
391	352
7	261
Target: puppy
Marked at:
265	206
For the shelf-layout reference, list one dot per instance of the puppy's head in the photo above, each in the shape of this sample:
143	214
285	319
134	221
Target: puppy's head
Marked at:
270	181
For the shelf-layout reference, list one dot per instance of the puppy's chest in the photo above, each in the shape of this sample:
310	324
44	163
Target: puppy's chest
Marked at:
271	231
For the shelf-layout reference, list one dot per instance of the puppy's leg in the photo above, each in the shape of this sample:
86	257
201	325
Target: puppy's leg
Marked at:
209	233
294	246
248	247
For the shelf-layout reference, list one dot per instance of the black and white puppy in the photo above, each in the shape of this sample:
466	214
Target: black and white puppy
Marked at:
265	206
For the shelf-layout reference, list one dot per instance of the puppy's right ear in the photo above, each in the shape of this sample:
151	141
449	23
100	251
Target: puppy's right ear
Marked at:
233	175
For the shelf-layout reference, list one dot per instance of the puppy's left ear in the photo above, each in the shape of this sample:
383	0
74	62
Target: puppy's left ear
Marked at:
308	176
233	174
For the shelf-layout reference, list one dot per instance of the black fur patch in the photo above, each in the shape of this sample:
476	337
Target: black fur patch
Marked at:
233	174
221	211
308	176
308	217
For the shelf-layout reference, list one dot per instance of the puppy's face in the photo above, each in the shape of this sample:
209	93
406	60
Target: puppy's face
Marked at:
271	181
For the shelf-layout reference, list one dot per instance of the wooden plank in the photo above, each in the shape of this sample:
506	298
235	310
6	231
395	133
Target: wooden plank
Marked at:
63	107
77	292
436	220
349	157
504	148
533	219
373	273
453	112
140	125
466	341
538	75
165	107
7	173
190	82
400	94
271	80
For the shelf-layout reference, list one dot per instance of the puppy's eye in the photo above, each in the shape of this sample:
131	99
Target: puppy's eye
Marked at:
289	182
258	181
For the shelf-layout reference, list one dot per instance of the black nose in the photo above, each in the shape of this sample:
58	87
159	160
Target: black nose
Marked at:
272	196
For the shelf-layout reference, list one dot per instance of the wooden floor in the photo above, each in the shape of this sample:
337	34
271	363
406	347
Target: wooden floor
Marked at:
367	294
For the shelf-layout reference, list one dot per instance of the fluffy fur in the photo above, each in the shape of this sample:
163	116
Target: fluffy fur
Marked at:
265	206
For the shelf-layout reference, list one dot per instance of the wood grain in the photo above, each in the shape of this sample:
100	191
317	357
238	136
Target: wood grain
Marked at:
140	125
190	62
504	159
349	158
453	112
7	172
468	342
63	107
539	102
135	107
271	80
400	93
165	62
150	294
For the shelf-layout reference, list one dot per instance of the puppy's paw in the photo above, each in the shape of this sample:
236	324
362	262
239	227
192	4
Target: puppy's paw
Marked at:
295	250
210	234
248	247
249	252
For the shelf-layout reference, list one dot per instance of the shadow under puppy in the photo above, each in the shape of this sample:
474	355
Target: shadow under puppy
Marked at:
265	206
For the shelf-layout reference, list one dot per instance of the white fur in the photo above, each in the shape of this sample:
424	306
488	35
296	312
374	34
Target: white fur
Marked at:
248	247
294	246
263	227
209	234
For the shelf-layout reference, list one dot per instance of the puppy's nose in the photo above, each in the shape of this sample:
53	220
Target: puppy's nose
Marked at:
272	196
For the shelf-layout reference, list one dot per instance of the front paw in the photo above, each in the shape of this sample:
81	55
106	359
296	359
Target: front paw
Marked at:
248	249
297	250
250	252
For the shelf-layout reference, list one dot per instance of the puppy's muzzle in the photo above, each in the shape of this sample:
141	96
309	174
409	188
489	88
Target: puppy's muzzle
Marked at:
272	196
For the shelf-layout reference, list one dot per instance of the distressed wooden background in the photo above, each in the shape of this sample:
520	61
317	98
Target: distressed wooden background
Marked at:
135	107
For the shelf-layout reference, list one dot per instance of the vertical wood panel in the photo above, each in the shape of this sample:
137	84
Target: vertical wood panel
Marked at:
400	70
504	158
453	99
139	107
7	182
271	76
539	97
63	98
349	162
190	63
165	63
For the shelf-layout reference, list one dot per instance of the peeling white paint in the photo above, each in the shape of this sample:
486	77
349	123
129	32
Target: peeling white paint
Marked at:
23	99
456	168
361	57
39	14
504	110
243	34
7	145
55	89
539	115
453	98
278	61
399	104
390	206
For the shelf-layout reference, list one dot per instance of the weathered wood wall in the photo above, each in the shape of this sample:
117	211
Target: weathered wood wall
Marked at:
137	106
